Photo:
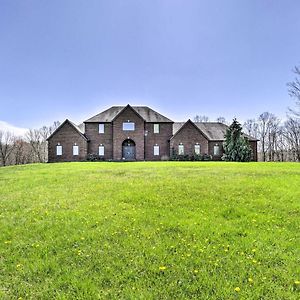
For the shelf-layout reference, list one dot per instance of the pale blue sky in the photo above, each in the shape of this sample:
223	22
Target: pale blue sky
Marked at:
72	59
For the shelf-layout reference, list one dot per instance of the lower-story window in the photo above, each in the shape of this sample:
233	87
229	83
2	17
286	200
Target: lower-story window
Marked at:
101	150
180	149
197	149
58	150
75	150
156	150
216	150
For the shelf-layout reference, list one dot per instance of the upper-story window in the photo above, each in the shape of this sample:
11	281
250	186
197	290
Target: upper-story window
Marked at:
101	128
197	149
216	150
180	149
58	149
75	149
156	128
128	126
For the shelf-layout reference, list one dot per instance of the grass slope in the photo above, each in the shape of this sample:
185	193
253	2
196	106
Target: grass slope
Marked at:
167	230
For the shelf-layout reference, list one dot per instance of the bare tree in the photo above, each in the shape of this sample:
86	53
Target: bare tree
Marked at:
221	120
6	146
294	92
251	128
198	118
292	134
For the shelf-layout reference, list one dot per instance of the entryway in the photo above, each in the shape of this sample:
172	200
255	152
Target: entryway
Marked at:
128	149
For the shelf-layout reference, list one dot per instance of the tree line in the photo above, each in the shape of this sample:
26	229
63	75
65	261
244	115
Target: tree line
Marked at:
278	140
31	148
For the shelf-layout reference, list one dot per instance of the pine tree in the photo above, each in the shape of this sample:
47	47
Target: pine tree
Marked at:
236	146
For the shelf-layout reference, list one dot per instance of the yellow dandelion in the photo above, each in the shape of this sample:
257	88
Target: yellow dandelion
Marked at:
297	282
250	280
254	261
162	268
237	289
196	271
253	250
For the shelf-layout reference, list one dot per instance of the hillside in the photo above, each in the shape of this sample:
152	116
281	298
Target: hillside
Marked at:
164	230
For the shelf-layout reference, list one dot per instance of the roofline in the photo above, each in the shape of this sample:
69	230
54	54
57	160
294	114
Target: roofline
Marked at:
61	125
127	106
190	121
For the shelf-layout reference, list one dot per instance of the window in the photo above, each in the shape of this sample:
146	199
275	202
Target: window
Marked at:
101	128
128	126
156	150
58	150
101	150
75	150
156	128
197	149
216	150
180	149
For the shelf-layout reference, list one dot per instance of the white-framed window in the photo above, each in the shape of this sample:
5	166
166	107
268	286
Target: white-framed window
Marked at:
101	150
75	150
58	149
180	149
156	128
197	149
128	126
101	128
156	150
216	150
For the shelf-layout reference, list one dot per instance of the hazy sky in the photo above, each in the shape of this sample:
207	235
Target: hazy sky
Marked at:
72	59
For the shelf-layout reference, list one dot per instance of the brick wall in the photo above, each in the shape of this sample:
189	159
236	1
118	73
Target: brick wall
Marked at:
161	139
189	136
67	136
96	138
137	135
211	145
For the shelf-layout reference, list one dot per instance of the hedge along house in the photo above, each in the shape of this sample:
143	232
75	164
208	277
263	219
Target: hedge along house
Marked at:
136	133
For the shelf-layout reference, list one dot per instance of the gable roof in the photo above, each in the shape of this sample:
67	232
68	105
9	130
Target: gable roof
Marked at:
146	113
79	129
214	131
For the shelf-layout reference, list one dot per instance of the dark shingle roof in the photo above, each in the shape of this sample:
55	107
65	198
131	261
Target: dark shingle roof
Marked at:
79	129
214	131
148	114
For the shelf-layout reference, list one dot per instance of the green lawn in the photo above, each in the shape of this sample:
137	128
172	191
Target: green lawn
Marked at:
164	230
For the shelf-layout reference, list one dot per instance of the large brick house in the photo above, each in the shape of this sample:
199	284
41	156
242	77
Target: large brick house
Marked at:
136	133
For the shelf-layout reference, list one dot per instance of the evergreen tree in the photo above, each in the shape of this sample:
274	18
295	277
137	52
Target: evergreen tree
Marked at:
236	146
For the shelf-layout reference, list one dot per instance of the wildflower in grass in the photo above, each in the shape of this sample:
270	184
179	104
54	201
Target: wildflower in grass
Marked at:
7	242
162	268
237	289
254	261
196	271
253	250
250	280
297	282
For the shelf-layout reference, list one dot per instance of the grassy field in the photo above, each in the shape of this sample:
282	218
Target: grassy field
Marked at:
165	230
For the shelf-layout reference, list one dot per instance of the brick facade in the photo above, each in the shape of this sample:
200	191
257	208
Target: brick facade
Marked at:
143	139
67	136
189	136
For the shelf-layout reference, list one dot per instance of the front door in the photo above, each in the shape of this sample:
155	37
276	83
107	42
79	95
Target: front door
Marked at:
128	149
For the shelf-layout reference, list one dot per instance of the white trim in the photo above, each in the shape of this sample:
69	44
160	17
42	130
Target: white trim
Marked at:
101	150
156	150
59	150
